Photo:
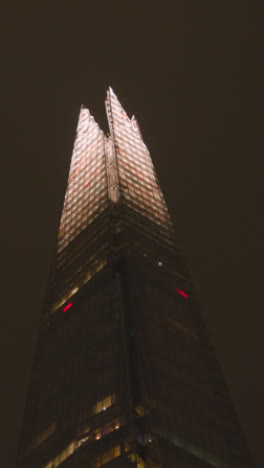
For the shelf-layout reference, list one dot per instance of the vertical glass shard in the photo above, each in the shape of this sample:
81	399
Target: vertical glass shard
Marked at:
86	193
139	186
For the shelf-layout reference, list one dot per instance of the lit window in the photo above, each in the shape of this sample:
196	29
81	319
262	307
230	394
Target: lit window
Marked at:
140	410
103	404
62	456
41	437
104	430
106	457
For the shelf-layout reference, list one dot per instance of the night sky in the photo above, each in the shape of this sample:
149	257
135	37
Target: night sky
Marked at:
189	72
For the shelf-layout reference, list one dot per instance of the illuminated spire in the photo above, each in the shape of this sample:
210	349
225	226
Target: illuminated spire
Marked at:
109	170
86	193
139	186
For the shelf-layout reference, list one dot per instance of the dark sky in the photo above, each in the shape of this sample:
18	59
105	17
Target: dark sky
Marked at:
189	72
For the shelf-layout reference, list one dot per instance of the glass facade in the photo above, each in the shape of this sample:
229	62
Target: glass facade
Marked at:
86	193
106	172
139	185
124	374
109	170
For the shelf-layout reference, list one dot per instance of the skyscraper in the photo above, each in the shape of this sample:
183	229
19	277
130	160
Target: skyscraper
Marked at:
124	373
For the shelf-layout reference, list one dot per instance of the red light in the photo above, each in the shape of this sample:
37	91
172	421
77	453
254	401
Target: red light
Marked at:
182	293
67	307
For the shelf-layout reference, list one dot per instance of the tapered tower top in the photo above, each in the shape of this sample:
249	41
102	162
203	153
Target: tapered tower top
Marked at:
114	169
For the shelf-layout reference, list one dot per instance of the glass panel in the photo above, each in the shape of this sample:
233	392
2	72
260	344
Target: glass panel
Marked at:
136	171
87	173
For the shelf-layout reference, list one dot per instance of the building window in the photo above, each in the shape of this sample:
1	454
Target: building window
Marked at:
106	457
41	438
103	404
62	456
104	430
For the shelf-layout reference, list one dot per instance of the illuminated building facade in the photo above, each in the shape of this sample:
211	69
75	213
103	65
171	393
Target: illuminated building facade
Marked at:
124	373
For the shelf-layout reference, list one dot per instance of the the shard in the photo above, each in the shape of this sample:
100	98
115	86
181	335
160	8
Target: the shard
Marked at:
124	372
